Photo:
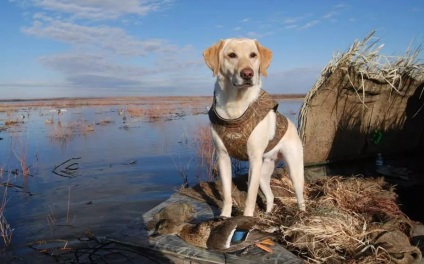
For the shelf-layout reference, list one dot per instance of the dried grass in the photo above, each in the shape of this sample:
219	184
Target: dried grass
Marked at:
21	154
342	213
205	151
364	58
134	111
374	198
12	122
154	112
5	229
63	133
325	237
103	122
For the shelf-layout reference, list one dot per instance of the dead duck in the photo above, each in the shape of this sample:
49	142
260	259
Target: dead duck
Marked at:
219	234
179	212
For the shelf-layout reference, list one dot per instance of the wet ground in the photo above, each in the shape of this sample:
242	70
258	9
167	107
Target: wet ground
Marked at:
95	180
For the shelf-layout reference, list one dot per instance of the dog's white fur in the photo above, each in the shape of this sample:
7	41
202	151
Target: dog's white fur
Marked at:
233	94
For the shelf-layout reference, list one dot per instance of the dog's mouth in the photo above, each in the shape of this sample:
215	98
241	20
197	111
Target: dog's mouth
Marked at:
245	84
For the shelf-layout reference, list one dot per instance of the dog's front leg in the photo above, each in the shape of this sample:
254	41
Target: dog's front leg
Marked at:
255	166
224	163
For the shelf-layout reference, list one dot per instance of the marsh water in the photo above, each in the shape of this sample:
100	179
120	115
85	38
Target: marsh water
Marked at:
98	178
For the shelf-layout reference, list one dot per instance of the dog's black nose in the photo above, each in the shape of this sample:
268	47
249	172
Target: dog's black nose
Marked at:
246	74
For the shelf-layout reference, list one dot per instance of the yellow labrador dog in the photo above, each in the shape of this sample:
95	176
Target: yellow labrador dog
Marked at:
238	65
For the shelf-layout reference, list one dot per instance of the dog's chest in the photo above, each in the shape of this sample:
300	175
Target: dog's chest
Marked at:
235	132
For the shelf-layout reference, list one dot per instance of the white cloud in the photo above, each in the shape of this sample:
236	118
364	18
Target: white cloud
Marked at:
292	26
331	15
101	9
75	64
256	35
104	56
335	12
340	6
292	20
110	39
299	22
309	24
102	71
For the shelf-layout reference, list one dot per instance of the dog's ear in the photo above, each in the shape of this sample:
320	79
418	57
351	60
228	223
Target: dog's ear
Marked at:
211	56
265	56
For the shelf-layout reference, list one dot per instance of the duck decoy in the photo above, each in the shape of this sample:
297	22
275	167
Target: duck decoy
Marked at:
58	111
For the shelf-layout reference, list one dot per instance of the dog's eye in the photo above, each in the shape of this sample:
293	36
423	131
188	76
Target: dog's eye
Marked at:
232	55
253	55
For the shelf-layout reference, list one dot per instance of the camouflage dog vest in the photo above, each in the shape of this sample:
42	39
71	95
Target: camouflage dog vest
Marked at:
235	132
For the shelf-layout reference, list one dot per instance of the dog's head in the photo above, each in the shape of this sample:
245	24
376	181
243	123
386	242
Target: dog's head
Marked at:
239	60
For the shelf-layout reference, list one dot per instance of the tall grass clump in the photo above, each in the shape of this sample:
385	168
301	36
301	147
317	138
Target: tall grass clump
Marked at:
154	112
135	111
21	154
183	170
205	150
5	229
61	133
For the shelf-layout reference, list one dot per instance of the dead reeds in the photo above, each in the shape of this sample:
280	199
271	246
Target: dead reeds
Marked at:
51	217
5	229
364	58
63	133
344	216
21	153
205	151
153	112
134	111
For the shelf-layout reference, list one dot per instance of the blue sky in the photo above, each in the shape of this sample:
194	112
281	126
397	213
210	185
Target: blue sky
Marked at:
77	48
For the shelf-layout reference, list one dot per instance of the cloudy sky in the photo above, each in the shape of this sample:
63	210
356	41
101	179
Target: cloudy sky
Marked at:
68	48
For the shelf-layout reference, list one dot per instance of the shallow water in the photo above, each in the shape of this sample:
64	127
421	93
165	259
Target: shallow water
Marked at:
110	176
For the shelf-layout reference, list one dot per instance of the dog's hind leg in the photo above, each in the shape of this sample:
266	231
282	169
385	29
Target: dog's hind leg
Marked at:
292	151
266	173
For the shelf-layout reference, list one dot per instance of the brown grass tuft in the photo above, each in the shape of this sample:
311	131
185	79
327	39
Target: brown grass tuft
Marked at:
61	133
155	112
342	216
5	229
21	154
134	111
205	151
12	122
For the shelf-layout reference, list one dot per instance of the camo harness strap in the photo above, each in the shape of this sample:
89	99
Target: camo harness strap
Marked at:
235	132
